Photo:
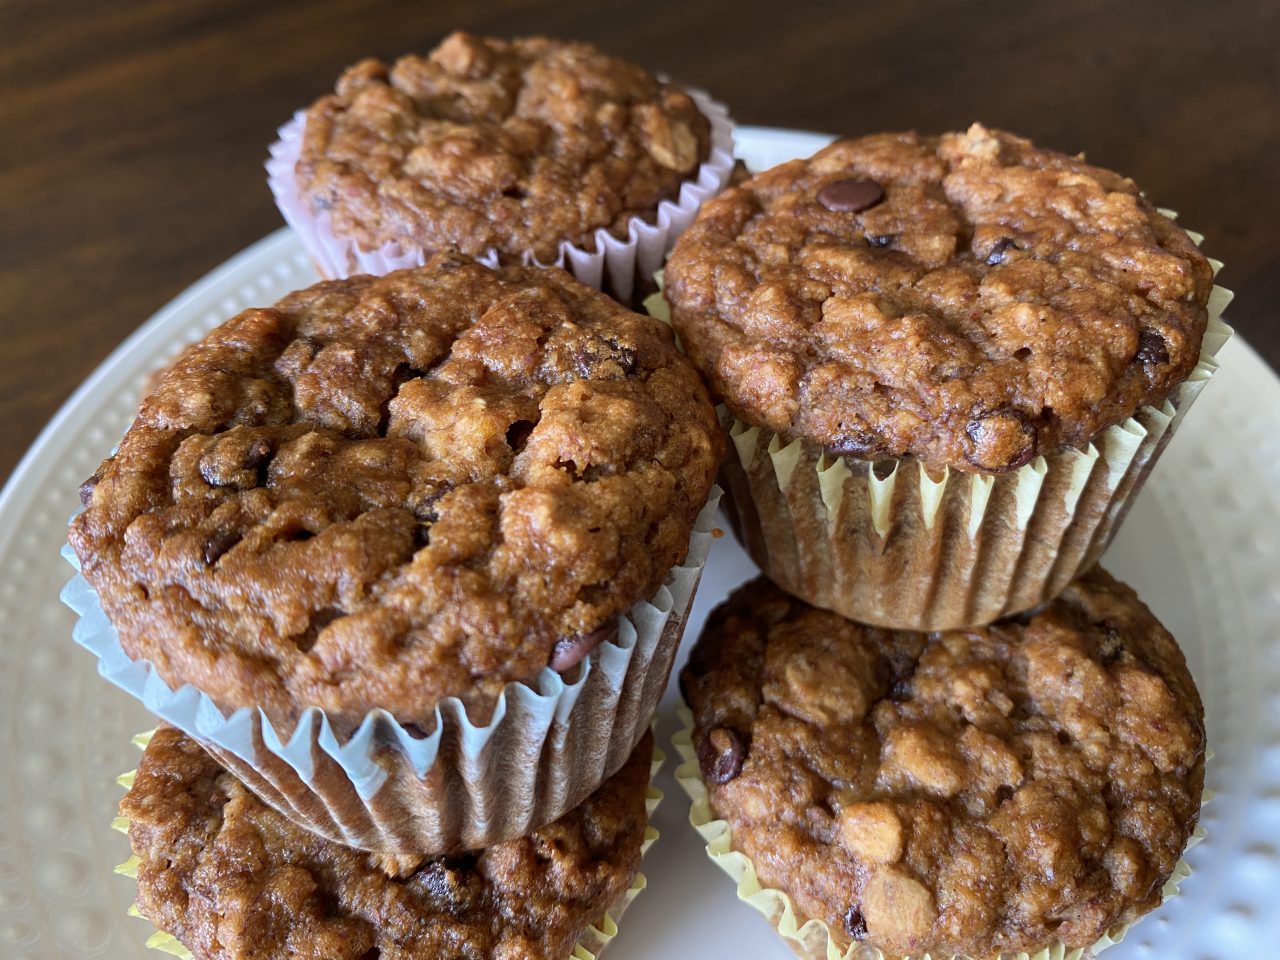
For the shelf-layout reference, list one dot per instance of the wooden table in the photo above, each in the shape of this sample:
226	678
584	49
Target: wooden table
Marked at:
132	134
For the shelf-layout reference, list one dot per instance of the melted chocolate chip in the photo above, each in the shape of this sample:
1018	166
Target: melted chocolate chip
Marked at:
861	444
87	488
1002	440
258	453
1151	348
1111	648
721	754
996	254
600	359
569	651
218	544
880	239
850	196
855	924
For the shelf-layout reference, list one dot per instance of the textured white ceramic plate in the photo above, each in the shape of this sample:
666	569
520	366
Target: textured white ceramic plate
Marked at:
1202	545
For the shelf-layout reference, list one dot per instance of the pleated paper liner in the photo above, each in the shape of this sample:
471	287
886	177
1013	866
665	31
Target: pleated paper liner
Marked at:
590	944
811	939
546	748
616	265
895	545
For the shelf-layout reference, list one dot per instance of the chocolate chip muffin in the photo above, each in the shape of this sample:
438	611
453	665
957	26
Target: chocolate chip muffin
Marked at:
501	147
382	492
968	792
232	879
966	306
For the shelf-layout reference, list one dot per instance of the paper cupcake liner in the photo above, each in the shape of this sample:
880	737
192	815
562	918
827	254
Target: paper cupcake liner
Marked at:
811	938
617	265
546	748
893	545
590	944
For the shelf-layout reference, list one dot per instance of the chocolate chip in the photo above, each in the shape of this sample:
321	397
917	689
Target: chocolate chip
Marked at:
1064	738
218	544
259	452
996	254
1002	440
721	753
861	444
601	359
1111	648
569	651
1003	792
855	924
850	196
880	239
1151	348
87	488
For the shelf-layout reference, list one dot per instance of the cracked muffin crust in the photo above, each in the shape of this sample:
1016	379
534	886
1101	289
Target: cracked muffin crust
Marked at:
968	300
492	144
384	491
233	879
964	792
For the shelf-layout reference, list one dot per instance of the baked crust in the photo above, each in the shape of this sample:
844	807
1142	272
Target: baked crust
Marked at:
492	144
965	792
233	879
968	300
384	491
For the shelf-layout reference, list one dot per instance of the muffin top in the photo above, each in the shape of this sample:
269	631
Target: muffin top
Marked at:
233	879
968	300
383	491
964	792
493	144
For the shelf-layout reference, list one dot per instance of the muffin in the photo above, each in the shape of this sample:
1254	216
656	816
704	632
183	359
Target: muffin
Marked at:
1026	785
230	878
398	534
947	363
523	151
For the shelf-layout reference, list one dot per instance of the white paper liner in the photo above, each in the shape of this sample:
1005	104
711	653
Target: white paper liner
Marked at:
590	945
616	264
464	786
890	544
811	939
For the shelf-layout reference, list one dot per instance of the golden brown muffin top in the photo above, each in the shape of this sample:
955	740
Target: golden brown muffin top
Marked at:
964	792
969	300
233	879
384	491
493	144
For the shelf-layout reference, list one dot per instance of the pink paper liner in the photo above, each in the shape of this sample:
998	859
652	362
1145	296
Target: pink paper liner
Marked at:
618	262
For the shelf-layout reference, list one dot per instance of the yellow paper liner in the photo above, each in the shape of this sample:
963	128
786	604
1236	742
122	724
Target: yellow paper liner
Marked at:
895	545
590	944
811	939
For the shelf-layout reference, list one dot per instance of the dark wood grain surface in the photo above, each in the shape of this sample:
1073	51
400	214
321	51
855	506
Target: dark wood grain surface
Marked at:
132	134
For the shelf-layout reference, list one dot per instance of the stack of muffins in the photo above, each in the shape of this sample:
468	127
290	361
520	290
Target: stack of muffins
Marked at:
403	560
937	729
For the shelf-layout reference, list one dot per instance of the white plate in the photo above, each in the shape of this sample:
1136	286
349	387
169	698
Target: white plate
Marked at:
1202	545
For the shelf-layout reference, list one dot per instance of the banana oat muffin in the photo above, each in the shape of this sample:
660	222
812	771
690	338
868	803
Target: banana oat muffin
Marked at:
967	300
483	144
966	792
949	363
232	879
384	491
